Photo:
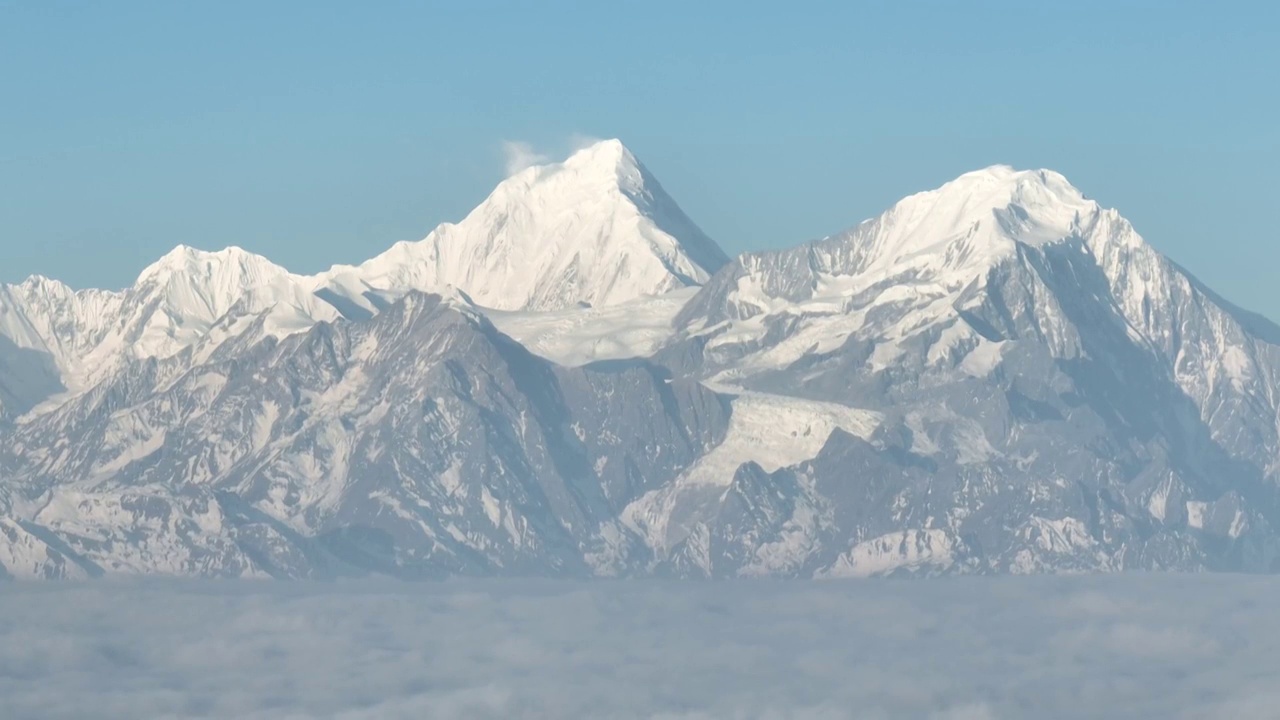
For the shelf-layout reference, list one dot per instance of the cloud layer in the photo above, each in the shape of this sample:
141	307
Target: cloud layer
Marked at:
959	649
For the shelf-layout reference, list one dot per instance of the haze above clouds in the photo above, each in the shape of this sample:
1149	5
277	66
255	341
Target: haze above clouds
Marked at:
1069	647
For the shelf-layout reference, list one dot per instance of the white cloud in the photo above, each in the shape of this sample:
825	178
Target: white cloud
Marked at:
958	649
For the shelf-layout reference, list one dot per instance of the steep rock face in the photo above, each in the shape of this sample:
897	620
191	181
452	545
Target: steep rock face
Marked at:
419	442
45	330
1050	370
27	377
48	317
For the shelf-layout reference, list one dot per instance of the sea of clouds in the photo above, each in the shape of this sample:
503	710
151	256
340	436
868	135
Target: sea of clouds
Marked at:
1137	646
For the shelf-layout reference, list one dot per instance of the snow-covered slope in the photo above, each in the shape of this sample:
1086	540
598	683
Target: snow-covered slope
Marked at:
1040	368
186	291
86	334
596	229
581	335
418	442
998	375
48	319
926	247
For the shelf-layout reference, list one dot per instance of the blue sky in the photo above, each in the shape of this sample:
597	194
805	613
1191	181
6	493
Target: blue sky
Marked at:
323	132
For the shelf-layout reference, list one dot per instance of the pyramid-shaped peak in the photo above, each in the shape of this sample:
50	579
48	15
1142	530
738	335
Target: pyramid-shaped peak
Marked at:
596	228
603	162
605	153
601	165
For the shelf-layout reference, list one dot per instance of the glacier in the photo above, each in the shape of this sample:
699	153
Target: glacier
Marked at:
995	376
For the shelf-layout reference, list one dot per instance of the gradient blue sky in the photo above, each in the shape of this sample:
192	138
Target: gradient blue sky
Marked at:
322	132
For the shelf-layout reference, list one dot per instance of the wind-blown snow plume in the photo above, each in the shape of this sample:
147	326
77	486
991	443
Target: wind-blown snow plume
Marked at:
520	155
581	141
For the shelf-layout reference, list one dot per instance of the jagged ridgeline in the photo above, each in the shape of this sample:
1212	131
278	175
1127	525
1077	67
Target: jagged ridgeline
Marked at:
994	376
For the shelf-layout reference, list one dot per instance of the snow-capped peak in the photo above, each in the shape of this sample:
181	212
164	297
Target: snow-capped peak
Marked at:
184	259
611	160
967	223
595	229
193	280
180	296
605	168
1042	195
173	304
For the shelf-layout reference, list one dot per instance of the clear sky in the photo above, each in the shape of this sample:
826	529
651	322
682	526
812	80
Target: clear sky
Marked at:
322	132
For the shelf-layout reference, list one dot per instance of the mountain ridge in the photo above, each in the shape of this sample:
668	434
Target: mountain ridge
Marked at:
622	252
994	376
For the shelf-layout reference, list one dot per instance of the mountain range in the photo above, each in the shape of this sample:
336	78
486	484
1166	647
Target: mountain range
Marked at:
995	376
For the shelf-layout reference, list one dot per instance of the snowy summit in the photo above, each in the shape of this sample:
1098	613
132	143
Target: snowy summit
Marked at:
596	229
